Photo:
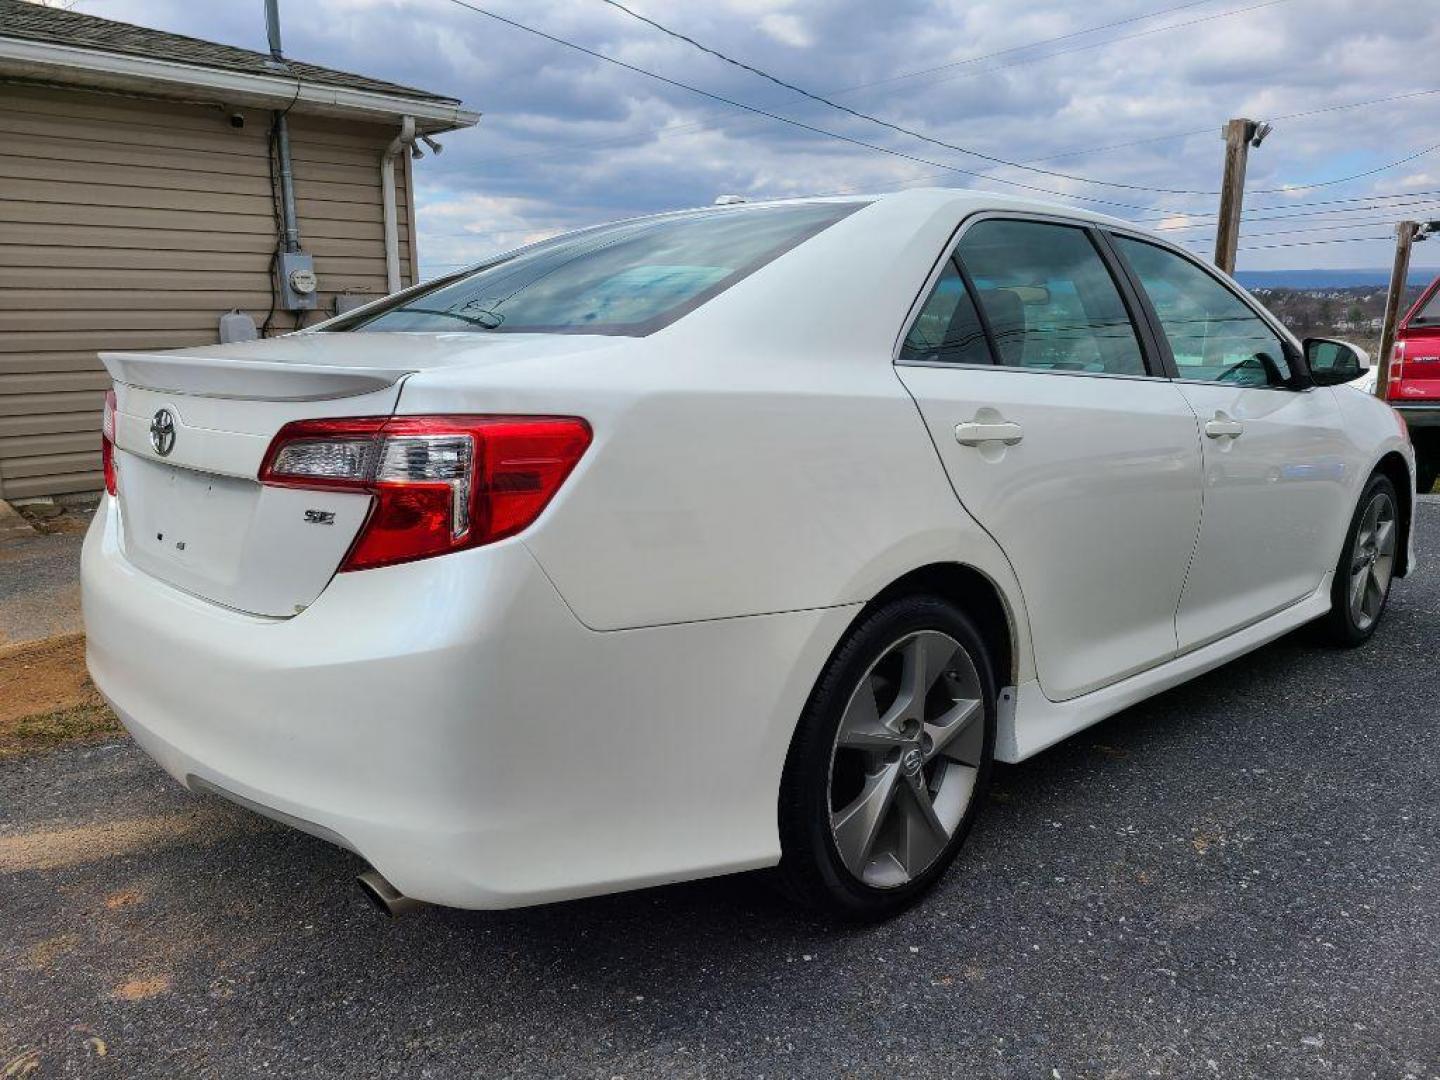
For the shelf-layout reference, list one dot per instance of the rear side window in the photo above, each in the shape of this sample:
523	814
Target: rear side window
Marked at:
947	330
629	278
1049	297
1213	334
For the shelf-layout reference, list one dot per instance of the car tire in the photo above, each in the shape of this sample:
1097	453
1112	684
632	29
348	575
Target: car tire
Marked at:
935	747
1365	571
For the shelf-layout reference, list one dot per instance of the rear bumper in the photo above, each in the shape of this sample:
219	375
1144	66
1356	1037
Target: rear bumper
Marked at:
453	723
1418	414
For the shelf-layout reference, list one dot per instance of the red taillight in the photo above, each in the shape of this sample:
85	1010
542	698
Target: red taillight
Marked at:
107	442
1397	369
440	483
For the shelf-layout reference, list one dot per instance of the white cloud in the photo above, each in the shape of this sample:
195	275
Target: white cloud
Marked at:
787	29
568	140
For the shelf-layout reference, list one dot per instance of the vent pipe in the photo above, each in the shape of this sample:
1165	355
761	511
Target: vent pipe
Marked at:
272	27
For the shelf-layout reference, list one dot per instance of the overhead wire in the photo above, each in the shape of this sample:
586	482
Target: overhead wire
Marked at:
993	159
1308	229
1369	207
801	125
1314	243
951	169
680	128
661	133
1192	132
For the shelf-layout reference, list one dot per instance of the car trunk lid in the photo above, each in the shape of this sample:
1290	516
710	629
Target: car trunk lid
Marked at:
193	513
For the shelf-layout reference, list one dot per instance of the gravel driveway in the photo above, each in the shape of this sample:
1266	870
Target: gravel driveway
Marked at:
1238	879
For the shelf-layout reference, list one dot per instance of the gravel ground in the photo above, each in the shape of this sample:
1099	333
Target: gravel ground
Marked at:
39	587
1237	879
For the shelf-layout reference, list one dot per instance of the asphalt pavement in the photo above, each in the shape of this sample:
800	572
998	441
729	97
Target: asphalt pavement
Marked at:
1240	878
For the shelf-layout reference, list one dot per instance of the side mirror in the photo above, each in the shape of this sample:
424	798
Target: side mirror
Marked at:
1334	362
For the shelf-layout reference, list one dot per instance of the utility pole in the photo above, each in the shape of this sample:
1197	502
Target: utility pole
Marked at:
1406	234
1239	135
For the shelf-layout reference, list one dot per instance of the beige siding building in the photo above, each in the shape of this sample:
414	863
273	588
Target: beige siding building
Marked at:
139	203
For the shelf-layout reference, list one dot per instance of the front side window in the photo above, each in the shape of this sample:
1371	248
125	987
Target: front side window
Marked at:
1049	297
631	278
1213	334
947	330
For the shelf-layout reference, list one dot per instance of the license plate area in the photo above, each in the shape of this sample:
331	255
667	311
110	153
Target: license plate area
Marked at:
195	521
232	540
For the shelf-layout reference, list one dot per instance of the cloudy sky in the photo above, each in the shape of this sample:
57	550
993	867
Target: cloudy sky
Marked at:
1127	91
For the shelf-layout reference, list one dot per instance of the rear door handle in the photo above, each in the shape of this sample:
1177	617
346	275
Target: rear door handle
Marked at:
975	432
1223	426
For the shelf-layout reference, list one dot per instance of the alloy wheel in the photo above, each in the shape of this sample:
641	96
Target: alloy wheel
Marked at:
906	759
1373	561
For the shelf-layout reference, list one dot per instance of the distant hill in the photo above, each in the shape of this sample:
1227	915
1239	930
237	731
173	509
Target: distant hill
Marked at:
1329	279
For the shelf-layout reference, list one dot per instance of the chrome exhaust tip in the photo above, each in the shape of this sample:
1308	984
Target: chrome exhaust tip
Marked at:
386	897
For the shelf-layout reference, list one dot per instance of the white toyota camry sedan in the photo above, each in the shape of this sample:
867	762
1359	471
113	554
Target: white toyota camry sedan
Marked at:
748	536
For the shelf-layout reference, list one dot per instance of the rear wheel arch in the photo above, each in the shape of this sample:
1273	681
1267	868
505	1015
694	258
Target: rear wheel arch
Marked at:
974	593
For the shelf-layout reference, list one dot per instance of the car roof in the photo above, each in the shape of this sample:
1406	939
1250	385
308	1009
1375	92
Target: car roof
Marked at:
984	200
927	199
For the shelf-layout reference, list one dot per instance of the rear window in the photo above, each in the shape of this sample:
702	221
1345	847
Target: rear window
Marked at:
1429	315
630	278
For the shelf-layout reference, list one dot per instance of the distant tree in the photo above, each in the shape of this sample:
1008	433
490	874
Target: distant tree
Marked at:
1326	312
1355	316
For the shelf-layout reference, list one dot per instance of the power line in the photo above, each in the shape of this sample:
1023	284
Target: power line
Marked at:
1368	208
903	130
784	119
1079	151
1321	228
1305	243
992	158
1161	216
1347	179
1315	243
1092	45
1030	45
1198	217
680	128
1305	113
1355	104
664	133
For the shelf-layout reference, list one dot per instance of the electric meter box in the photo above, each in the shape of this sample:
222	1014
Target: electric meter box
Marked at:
298	286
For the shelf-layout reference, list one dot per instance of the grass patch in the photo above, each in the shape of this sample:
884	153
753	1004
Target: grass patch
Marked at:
47	699
81	723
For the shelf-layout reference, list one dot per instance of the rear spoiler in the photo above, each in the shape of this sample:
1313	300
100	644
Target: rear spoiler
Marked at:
246	380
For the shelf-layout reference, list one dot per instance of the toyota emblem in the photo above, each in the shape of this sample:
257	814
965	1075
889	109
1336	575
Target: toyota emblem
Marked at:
162	432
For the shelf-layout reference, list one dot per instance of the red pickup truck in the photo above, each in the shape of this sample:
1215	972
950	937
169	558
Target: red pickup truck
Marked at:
1414	385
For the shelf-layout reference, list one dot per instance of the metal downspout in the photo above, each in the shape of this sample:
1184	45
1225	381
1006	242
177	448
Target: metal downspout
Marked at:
400	144
287	184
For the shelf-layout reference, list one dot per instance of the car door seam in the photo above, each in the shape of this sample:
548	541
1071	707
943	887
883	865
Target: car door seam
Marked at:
950	482
1200	521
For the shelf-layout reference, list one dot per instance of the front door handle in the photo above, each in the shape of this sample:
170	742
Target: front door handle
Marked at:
975	432
1222	426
